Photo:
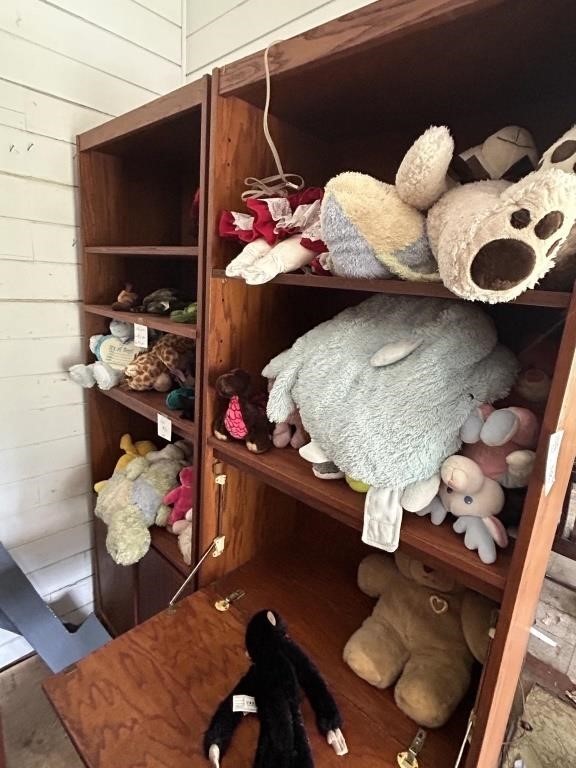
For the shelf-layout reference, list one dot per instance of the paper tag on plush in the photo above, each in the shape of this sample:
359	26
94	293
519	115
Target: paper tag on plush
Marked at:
554	444
246	704
164	427
141	336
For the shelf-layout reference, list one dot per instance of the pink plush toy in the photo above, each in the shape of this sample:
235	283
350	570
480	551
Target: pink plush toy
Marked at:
182	497
502	441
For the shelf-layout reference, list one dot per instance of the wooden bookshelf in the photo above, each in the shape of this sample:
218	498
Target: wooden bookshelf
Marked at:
158	322
150	251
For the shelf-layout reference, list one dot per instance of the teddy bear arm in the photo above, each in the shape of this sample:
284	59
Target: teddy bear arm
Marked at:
432	685
173	496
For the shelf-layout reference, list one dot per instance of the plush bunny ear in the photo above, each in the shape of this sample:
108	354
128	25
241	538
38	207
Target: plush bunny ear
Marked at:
496	530
394	351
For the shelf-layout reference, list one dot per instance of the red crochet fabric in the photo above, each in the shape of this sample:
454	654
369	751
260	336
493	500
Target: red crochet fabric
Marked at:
234	421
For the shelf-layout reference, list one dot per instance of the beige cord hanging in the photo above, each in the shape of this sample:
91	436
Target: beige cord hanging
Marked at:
281	184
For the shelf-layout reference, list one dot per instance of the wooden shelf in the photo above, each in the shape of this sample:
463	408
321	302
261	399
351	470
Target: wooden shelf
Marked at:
179	251
534	298
149	405
439	545
314	590
157	322
167	544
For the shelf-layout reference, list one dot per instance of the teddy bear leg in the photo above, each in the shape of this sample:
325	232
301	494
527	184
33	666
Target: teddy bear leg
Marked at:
431	687
376	653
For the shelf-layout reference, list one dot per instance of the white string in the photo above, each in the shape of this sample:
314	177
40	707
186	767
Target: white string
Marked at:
280	184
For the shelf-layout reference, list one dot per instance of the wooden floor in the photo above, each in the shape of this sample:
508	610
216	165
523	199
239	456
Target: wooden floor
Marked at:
145	700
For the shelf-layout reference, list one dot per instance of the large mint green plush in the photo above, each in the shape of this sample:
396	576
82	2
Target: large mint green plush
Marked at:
131	501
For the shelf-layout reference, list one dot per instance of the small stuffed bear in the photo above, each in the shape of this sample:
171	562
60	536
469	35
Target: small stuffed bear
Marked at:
132	500
422	636
113	352
279	668
241	414
182	497
152	369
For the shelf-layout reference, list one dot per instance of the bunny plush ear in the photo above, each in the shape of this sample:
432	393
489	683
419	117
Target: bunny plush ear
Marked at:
496	530
393	352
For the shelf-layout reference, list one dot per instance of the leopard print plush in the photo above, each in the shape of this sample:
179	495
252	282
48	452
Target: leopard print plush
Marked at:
151	369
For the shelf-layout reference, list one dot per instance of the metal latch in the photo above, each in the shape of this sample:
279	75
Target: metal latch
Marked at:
410	759
224	605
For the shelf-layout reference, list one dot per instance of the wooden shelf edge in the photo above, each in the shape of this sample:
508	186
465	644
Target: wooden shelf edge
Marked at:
166	544
159	323
160	110
179	251
149	405
532	298
438	545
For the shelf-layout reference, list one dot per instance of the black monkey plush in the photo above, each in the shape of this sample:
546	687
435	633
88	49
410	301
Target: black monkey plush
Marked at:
279	667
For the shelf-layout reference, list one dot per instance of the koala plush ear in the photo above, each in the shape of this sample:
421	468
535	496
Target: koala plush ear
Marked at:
393	352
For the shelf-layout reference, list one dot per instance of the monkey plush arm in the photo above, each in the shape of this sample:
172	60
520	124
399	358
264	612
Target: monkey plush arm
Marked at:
225	720
325	708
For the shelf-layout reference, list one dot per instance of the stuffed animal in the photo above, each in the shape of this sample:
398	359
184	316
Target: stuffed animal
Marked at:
183	529
132	500
488	240
383	389
422	636
502	443
188	314
151	369
132	450
181	498
113	352
281	234
162	302
289	432
562	155
475	500
127	299
279	668
240	413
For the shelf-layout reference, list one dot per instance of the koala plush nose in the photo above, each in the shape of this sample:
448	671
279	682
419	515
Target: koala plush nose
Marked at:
502	264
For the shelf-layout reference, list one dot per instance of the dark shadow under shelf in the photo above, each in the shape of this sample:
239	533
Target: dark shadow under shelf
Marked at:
167	544
534	298
149	405
438	545
157	322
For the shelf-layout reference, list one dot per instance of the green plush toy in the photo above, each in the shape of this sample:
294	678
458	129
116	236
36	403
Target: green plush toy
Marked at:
131	500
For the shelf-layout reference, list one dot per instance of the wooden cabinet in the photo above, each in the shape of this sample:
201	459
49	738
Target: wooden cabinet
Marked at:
352	94
143	195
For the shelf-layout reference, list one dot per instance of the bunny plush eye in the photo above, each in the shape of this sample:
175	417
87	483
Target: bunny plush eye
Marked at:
468	500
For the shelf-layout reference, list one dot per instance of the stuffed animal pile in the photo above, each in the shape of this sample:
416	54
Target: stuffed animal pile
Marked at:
488	240
133	498
152	368
114	352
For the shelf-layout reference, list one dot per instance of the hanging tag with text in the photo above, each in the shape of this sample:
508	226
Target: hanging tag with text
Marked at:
164	427
140	336
246	704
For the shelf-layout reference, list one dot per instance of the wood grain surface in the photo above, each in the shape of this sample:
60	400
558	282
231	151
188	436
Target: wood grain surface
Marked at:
184	251
149	405
145	700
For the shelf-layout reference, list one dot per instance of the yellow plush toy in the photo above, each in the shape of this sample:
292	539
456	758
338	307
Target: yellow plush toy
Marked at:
131	451
422	636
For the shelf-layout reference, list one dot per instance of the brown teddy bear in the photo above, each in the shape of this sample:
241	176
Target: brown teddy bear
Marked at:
423	635
241	413
151	369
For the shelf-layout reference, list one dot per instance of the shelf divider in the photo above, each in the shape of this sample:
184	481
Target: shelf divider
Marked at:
158	322
533	298
180	251
149	405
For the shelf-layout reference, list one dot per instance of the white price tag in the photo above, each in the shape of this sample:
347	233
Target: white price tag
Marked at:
140	336
164	427
552	460
246	704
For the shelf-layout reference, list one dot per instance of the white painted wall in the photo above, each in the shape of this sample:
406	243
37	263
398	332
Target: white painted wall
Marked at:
221	31
65	66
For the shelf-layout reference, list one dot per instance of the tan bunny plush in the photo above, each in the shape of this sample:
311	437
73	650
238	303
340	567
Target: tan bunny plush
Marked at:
422	636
